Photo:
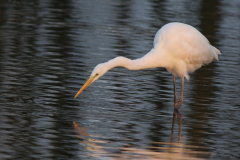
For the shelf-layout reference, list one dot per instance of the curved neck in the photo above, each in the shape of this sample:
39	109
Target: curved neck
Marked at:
148	61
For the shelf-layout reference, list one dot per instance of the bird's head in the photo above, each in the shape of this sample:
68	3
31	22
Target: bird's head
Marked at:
97	72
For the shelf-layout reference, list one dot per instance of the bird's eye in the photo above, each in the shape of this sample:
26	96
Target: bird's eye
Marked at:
97	74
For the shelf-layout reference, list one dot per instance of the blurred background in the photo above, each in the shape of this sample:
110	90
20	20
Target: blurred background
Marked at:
48	49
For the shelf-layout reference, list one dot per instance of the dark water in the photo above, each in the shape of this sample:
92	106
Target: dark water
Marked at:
48	49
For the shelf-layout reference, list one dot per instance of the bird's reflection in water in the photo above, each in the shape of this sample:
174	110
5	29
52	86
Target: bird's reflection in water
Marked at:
176	116
171	150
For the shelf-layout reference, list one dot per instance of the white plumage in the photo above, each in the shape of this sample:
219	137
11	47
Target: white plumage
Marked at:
178	47
183	49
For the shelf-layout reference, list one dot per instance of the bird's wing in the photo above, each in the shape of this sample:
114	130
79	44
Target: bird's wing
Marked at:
185	42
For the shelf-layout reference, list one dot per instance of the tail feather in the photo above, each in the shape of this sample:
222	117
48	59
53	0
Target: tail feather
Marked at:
217	52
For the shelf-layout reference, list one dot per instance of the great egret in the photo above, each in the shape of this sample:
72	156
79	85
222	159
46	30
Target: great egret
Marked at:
178	47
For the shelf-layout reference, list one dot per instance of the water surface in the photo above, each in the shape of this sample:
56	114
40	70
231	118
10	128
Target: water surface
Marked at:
48	50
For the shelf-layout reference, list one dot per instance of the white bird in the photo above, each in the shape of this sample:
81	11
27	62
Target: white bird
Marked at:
178	47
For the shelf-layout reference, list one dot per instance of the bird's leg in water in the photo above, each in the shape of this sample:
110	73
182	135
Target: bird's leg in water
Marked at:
181	98
175	92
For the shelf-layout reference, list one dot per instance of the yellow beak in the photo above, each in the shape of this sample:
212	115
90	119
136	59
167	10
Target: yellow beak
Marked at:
89	81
